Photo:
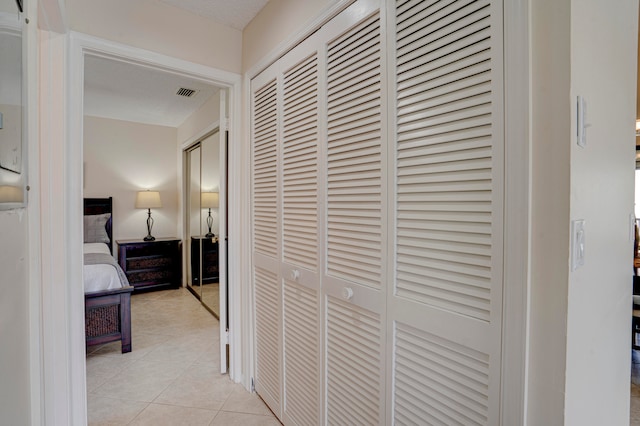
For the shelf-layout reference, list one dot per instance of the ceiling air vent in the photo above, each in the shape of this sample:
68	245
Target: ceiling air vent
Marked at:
187	93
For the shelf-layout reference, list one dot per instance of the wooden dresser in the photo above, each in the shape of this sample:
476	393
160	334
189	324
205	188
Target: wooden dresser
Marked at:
151	265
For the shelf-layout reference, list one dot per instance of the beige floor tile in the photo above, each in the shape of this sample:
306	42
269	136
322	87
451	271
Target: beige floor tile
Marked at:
200	386
226	418
144	389
173	369
141	381
112	411
104	364
210	358
101	368
142	344
241	401
634	419
170	415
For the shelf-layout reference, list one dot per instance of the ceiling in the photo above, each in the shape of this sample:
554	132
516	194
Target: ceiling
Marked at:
124	91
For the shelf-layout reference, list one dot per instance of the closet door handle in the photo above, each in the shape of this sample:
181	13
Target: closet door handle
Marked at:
295	274
347	293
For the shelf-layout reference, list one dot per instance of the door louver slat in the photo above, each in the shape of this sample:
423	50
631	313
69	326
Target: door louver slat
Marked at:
267	298
354	154
438	164
301	353
452	380
300	164
353	347
265	176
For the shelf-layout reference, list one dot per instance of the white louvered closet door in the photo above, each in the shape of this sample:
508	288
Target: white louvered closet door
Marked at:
265	135
377	198
445	311
285	143
353	280
300	234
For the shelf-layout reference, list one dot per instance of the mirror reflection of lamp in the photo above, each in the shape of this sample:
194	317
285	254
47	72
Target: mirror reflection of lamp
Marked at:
148	200
209	200
11	194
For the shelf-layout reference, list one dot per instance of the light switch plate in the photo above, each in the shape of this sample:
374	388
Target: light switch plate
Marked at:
577	243
581	122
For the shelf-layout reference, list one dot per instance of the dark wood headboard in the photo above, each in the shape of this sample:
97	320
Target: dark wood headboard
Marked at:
100	206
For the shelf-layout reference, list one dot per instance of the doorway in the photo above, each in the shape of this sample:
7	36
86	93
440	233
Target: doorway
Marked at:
80	47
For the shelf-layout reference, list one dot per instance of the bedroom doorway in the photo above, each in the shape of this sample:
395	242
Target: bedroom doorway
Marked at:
210	143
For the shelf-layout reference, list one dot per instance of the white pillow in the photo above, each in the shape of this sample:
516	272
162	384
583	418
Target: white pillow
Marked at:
94	228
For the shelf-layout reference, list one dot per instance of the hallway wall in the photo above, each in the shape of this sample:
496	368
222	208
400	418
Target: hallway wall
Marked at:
159	27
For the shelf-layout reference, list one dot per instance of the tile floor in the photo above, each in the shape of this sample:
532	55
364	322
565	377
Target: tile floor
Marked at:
635	388
172	375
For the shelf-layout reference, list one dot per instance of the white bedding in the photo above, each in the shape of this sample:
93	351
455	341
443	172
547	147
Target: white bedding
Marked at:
99	277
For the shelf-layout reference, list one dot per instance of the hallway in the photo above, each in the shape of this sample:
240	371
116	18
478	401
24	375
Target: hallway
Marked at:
172	374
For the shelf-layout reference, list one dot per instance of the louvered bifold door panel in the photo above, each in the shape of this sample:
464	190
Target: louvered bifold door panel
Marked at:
300	164
301	354
266	248
446	305
354	181
265	171
268	314
354	344
353	280
300	245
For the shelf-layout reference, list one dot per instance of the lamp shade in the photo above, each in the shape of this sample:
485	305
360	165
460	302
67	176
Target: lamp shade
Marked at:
209	200
11	194
148	200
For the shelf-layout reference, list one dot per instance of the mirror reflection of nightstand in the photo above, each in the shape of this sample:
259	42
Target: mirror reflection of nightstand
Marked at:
209	260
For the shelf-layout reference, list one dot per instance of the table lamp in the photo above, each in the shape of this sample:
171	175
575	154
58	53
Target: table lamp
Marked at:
148	200
209	200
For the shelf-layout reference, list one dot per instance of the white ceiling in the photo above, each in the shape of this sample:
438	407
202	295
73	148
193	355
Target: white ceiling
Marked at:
124	91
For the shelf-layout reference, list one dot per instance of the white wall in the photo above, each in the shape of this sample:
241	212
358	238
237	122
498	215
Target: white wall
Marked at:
159	27
603	70
262	36
201	120
14	319
551	130
579	321
121	158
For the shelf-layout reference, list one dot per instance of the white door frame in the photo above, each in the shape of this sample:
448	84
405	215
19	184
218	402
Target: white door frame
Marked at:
72	336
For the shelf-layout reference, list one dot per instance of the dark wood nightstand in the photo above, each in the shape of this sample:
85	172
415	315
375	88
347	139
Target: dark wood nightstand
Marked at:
151	265
209	260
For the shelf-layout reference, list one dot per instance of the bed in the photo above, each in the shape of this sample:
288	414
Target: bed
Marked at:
107	295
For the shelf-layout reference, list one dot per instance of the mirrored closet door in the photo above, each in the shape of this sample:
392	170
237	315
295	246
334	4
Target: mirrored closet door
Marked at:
203	224
193	218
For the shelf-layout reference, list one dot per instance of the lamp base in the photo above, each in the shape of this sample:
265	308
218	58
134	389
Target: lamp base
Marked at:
149	237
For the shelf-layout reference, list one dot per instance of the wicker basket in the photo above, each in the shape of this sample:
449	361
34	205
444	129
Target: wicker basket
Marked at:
102	320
